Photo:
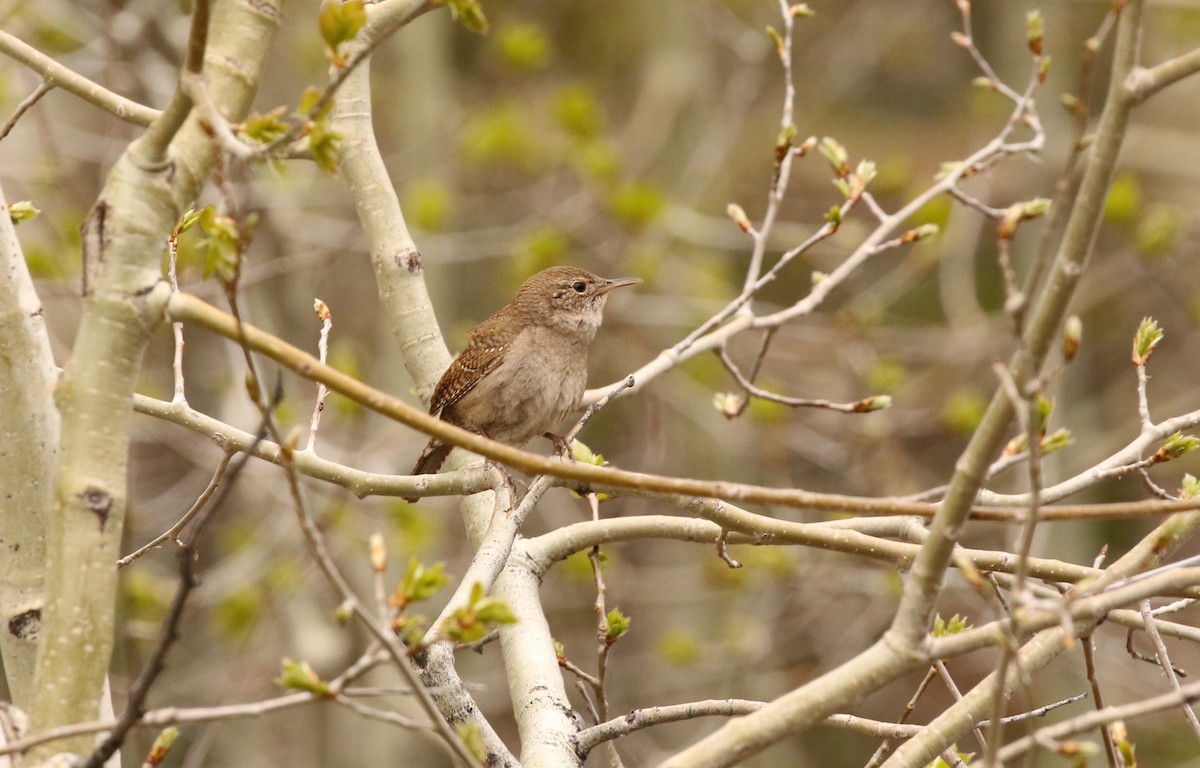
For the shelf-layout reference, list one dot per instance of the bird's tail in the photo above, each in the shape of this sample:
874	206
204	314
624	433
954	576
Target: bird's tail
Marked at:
430	460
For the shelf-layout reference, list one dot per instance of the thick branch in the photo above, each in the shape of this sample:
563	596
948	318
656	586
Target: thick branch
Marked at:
28	456
124	239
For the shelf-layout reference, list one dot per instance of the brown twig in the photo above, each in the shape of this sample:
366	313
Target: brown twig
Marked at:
44	87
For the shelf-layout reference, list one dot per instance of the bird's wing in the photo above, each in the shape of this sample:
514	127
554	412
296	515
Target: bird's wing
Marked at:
475	362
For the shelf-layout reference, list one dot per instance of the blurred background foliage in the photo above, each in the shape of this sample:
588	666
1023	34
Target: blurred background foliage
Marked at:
612	136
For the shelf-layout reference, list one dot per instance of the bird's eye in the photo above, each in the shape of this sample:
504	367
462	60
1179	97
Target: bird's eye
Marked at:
579	287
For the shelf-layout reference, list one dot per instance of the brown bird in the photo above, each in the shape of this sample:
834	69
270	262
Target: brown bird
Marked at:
525	367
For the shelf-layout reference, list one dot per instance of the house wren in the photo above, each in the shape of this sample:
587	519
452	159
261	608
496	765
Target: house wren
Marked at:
525	367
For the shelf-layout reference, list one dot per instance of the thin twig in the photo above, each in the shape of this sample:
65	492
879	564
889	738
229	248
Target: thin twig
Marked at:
197	506
179	396
1143	399
886	747
859	406
326	318
596	406
44	87
1089	660
1164	661
944	674
1090	720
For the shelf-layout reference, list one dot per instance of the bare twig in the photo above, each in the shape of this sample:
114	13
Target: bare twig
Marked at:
1089	659
196	508
859	406
944	674
42	89
1142	398
885	746
723	550
603	642
1164	662
179	396
1086	722
1025	406
326	318
596	406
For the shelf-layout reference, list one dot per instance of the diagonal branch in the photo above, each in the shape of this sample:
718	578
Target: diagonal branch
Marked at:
70	81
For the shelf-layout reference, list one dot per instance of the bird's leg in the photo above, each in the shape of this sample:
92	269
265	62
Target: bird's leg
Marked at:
562	446
511	479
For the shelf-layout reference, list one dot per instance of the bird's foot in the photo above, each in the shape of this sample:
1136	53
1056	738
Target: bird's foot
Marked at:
562	446
513	482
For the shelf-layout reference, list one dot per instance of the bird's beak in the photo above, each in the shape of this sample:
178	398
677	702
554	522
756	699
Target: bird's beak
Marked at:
617	282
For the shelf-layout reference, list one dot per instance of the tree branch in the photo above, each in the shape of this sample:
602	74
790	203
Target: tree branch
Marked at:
70	81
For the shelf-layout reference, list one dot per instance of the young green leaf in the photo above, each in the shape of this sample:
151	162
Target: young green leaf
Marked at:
955	625
299	676
1190	486
325	146
1043	409
776	40
222	244
1175	446
339	22
187	221
836	155
618	624
834	216
585	455
309	99
1145	340
1056	441
22	210
265	128
472	622
492	611
469	13
419	583
410	628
